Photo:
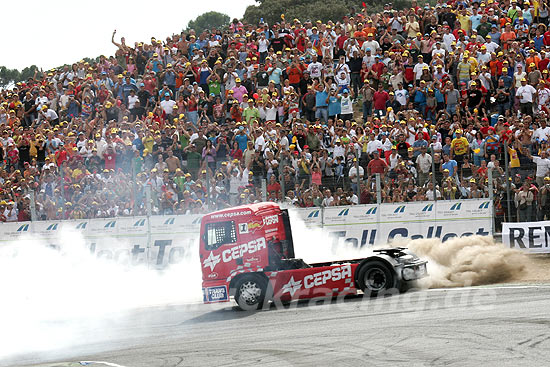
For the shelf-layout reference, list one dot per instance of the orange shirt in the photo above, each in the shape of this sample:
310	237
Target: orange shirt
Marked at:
360	36
368	30
532	59
507	36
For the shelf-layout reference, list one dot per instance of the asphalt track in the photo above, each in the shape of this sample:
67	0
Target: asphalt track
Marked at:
503	325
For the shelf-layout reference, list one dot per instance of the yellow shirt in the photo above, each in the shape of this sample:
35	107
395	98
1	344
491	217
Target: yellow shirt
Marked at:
514	160
473	64
464	22
148	143
460	145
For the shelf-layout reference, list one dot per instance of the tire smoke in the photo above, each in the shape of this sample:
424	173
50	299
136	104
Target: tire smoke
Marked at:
59	299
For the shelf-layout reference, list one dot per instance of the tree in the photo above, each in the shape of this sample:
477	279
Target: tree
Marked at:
10	76
209	20
271	10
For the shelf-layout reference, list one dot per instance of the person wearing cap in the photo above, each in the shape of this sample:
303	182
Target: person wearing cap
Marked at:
167	105
251	112
460	147
463	70
371	43
474	97
419	69
239	90
526	95
534	75
47	114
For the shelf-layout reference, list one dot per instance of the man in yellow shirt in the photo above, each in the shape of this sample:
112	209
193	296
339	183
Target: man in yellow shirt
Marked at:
459	147
464	19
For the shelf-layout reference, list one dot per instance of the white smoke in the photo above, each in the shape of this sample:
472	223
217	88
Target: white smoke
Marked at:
54	299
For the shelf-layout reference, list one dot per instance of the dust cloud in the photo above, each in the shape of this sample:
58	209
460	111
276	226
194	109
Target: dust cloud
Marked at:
468	261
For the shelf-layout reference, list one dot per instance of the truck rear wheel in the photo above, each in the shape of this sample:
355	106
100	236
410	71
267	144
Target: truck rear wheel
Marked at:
375	277
250	291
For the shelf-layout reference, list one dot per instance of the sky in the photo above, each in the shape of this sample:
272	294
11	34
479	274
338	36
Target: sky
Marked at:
56	32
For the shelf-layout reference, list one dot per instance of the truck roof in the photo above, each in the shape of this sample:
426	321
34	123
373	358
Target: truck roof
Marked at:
248	209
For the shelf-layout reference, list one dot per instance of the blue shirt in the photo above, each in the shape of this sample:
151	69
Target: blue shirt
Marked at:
439	97
193	47
450	165
419	97
539	42
170	78
334	107
241	140
507	80
495	37
321	99
276	76
419	144
476	19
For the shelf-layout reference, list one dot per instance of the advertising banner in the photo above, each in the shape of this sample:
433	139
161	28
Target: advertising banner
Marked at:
532	237
368	225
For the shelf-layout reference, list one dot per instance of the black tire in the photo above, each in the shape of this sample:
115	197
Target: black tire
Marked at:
250	291
375	277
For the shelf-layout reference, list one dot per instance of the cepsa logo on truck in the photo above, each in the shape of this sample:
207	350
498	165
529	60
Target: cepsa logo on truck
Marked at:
323	277
234	253
252	252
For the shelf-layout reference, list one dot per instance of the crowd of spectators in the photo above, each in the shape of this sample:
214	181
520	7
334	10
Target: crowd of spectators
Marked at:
422	96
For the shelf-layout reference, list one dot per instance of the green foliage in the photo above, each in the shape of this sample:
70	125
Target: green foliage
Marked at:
10	76
209	20
335	10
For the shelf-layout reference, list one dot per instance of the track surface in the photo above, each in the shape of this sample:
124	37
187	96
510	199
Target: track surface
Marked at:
484	326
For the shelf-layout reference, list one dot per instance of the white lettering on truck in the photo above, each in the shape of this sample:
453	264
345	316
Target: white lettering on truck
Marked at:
334	274
246	248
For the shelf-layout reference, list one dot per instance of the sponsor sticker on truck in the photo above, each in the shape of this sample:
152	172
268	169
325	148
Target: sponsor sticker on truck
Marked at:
216	294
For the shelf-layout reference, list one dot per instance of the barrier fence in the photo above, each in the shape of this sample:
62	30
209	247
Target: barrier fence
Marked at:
162	240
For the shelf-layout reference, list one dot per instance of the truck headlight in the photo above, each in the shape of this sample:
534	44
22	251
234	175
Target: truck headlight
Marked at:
408	273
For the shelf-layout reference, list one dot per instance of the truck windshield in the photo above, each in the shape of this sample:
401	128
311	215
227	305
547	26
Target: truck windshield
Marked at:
220	233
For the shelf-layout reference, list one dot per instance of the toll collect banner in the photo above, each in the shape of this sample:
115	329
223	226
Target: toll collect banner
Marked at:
531	237
368	225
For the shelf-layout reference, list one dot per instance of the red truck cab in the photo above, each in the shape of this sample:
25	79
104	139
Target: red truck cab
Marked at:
247	252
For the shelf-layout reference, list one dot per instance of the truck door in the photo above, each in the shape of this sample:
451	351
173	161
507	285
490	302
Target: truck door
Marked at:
216	236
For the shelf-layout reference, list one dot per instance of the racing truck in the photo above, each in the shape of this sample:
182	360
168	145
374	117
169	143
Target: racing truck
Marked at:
247	253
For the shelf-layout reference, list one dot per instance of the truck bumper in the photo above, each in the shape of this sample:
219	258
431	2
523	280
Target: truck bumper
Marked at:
414	271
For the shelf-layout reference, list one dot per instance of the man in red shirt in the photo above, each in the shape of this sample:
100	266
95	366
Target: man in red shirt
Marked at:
377	165
110	158
378	66
379	99
274	186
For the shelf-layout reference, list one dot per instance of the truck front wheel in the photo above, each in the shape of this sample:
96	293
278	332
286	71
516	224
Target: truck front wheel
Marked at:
250	292
375	277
